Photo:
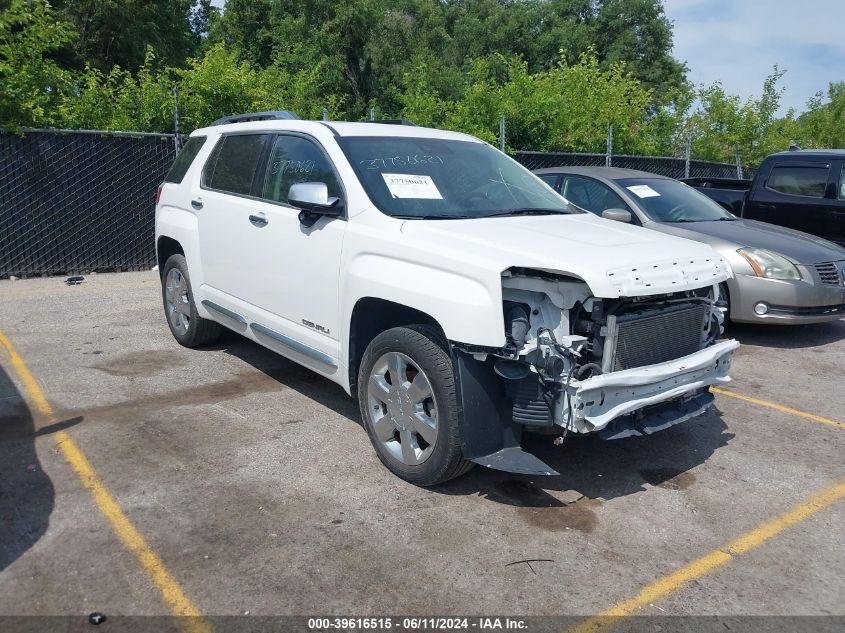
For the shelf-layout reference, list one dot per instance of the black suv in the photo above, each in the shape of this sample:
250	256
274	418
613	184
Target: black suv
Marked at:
801	189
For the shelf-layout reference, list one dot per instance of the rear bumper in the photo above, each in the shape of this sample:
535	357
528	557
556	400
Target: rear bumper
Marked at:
598	400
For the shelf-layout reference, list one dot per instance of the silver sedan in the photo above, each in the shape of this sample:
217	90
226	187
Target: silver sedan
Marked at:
780	275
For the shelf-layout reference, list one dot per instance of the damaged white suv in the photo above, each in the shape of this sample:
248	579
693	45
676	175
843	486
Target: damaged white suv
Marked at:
452	291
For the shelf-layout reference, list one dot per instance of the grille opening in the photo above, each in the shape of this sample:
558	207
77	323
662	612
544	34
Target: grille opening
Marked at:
828	273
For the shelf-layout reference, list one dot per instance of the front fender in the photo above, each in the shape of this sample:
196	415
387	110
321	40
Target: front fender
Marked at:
468	310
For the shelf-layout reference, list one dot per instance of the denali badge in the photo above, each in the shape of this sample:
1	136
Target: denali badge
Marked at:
315	326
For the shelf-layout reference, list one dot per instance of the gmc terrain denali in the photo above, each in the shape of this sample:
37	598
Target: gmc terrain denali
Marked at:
457	295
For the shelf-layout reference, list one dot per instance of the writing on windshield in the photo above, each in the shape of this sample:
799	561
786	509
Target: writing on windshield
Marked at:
445	178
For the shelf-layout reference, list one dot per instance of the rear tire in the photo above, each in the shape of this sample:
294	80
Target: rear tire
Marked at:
408	401
187	327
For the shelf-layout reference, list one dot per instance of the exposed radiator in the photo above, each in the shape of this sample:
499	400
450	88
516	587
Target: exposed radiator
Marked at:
639	339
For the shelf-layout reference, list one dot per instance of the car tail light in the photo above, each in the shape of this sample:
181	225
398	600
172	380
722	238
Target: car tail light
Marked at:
158	193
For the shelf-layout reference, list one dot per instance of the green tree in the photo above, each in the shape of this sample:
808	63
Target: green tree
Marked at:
638	33
724	124
368	47
823	124
29	80
117	32
566	108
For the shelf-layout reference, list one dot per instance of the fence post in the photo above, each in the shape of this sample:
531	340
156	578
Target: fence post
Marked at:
687	156
177	141
608	157
372	113
502	133
738	164
325	114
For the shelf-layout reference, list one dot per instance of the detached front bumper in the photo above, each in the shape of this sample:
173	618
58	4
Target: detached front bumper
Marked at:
598	400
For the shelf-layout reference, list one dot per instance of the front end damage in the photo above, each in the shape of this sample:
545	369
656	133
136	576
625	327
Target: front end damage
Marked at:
576	364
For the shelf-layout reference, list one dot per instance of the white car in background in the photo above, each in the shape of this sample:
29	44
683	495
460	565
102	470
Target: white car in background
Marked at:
453	292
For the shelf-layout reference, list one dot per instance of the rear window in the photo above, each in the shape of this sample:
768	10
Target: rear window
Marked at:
799	180
234	162
184	159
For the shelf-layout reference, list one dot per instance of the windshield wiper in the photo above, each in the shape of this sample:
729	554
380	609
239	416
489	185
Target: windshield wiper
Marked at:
528	211
434	217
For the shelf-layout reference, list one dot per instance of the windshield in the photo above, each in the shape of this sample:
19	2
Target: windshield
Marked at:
447	179
672	201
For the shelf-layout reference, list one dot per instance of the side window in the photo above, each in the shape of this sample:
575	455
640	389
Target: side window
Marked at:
550	180
233	163
591	195
799	180
295	159
184	159
842	183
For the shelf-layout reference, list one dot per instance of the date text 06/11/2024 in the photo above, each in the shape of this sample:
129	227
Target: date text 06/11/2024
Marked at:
318	625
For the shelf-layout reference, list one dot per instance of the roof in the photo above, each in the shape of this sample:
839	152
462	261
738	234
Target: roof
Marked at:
813	153
608	173
338	128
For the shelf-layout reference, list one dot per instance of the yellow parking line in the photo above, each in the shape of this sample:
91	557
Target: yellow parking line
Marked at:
710	562
129	535
779	407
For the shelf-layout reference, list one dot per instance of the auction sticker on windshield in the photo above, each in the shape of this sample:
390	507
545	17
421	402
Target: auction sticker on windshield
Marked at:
409	186
643	191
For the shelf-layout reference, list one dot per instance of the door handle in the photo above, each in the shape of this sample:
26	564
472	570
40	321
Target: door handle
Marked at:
196	204
258	219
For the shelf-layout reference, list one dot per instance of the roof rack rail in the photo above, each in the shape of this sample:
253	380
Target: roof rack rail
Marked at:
394	122
270	115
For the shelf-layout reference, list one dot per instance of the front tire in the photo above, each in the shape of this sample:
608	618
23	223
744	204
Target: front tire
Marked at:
187	327
408	401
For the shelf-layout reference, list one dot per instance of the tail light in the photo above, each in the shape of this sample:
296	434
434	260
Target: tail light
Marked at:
158	193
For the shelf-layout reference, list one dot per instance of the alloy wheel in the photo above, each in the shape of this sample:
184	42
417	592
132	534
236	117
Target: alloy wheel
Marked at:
403	409
177	303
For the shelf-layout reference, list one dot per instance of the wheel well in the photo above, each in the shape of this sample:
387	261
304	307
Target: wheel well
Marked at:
371	317
166	247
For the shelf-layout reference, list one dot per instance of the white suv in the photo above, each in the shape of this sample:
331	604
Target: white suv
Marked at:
453	292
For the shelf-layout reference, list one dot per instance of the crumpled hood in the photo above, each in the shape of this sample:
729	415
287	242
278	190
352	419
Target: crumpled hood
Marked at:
613	258
800	247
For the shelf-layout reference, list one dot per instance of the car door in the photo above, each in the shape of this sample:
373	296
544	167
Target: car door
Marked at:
552	180
593	196
838	204
795	194
259	261
224	203
298	265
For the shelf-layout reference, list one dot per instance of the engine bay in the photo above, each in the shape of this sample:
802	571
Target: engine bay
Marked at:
561	339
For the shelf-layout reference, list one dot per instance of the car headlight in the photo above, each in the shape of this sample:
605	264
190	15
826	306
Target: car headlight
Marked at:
768	264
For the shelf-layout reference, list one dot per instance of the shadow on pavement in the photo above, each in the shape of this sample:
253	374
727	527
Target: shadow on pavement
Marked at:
290	374
597	469
787	336
26	492
602	469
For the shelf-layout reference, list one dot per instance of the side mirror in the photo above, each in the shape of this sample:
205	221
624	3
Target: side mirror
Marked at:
617	215
313	200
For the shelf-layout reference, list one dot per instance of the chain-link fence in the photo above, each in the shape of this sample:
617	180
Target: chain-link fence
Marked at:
76	202
79	202
663	165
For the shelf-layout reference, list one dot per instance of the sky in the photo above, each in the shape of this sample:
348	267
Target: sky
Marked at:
738	42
